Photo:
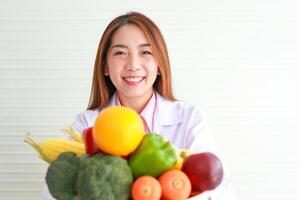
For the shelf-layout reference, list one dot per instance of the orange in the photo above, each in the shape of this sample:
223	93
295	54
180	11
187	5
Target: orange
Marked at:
118	130
175	185
146	188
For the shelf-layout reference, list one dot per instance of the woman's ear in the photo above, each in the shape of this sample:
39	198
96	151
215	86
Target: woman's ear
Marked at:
158	70
106	73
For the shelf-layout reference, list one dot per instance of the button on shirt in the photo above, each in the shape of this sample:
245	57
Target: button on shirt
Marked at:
146	114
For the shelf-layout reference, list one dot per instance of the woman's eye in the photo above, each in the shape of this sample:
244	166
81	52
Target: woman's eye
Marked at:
119	53
147	52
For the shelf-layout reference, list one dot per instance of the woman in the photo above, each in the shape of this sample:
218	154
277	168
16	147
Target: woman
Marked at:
132	69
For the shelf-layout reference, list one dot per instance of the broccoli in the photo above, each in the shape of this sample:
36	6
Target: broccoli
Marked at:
104	177
61	176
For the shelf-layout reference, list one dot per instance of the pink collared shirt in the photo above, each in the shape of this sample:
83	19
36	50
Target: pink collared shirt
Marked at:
147	113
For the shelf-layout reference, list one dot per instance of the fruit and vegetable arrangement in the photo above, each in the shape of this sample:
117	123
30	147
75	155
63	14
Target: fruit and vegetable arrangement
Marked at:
115	160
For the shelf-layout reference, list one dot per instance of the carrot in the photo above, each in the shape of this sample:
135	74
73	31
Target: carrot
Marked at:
175	185
146	188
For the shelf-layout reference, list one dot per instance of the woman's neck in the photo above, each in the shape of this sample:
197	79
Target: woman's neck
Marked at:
136	103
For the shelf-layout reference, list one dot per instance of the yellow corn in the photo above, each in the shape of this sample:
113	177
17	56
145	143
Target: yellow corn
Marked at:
50	149
73	133
182	155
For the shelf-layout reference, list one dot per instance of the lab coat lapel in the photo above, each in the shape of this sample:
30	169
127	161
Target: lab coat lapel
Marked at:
166	114
112	101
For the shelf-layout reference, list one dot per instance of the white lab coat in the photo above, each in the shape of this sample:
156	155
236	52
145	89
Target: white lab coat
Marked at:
185	125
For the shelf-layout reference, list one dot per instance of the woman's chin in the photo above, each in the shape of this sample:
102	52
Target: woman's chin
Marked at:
137	92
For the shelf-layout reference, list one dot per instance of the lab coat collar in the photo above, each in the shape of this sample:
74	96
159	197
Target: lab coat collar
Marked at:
112	101
165	114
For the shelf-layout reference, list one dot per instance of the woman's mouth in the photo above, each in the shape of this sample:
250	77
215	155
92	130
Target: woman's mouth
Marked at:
133	81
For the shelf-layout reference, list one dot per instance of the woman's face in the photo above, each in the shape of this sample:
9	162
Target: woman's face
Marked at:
130	63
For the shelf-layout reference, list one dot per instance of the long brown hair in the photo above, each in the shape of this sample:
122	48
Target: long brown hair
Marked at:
102	87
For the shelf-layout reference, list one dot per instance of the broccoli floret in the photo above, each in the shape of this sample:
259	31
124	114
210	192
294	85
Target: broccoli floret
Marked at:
61	176
104	177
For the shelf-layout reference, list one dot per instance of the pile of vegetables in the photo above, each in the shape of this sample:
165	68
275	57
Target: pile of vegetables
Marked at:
116	160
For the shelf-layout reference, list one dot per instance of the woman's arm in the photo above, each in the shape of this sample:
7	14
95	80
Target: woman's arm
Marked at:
200	139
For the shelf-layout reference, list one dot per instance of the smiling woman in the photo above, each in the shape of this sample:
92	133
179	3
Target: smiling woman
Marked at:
134	43
131	66
132	69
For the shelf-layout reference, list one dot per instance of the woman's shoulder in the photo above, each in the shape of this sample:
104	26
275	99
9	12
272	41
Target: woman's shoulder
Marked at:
85	119
187	106
189	109
88	114
181	109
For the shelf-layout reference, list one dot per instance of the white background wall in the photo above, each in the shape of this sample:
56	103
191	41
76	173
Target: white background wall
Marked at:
238	59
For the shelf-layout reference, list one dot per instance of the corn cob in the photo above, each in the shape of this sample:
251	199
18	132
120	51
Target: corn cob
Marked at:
182	155
73	133
50	149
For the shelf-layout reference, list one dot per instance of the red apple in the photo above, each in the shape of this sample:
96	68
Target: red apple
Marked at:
90	146
204	170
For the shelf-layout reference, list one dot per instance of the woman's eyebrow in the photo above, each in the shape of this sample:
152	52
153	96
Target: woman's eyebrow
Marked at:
144	45
119	46
126	47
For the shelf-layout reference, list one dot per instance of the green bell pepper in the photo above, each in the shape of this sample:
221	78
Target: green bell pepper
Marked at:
154	156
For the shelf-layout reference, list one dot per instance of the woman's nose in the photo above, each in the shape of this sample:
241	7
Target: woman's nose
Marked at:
133	63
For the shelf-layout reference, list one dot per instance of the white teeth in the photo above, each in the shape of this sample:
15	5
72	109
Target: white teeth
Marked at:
133	79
